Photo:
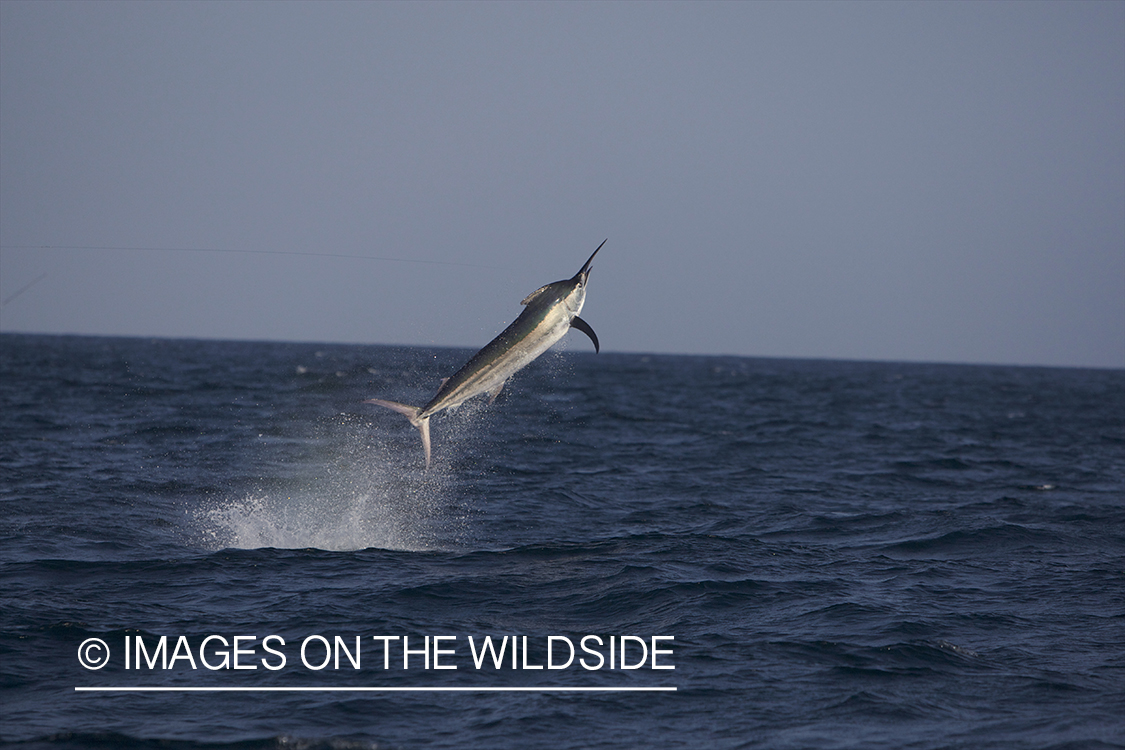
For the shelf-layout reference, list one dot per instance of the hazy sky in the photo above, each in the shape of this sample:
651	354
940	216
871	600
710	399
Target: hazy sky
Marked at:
902	180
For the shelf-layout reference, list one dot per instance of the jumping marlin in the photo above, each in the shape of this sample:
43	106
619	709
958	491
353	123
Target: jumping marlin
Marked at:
550	312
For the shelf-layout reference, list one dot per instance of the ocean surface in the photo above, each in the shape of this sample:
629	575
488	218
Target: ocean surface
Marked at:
736	553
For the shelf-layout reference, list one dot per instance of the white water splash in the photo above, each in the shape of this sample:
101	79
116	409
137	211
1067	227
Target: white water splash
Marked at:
313	521
359	495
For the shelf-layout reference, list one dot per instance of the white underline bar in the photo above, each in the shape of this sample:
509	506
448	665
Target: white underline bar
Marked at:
143	689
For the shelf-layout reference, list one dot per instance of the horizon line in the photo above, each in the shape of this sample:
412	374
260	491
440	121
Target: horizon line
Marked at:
628	352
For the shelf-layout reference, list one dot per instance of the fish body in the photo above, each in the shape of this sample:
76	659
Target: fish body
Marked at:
549	312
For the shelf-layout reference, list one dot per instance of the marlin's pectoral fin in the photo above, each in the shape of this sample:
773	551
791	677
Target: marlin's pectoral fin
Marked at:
581	325
492	394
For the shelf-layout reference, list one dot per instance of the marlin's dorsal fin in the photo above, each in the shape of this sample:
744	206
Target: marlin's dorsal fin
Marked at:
529	298
581	325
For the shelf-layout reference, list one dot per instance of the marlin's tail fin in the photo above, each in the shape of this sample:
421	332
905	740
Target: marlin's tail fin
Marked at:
411	413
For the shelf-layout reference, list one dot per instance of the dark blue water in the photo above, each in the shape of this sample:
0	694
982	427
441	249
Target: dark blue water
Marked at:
830	554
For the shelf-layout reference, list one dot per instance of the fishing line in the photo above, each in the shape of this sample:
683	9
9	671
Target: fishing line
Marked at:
23	289
246	252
